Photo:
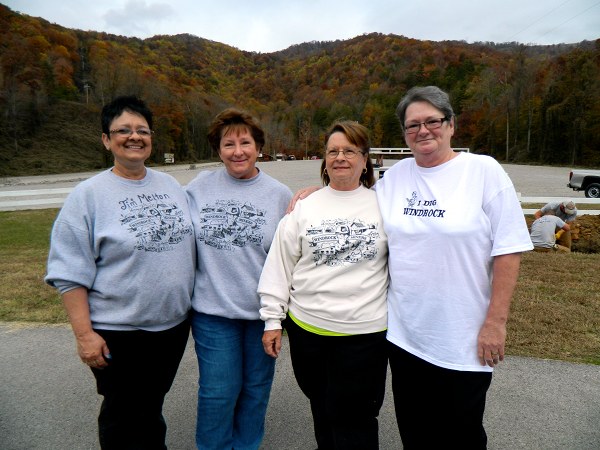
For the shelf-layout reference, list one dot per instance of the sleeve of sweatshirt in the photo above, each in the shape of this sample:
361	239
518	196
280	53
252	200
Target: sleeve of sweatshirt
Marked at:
276	278
71	261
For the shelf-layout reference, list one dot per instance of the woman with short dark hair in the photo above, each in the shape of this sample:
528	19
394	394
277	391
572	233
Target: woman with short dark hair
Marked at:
122	256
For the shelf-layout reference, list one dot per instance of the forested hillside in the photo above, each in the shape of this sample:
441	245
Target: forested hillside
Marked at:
537	104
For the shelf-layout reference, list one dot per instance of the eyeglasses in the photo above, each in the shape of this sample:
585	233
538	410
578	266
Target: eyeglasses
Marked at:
126	132
349	153
431	124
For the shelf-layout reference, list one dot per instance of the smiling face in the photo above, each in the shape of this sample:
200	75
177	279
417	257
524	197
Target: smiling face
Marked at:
239	153
130	152
430	147
344	173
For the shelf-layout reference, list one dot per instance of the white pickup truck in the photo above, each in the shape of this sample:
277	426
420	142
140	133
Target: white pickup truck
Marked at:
585	180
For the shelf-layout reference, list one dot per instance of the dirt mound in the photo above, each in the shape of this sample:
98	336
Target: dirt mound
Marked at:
585	233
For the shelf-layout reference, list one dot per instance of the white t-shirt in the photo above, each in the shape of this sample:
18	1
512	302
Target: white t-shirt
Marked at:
444	225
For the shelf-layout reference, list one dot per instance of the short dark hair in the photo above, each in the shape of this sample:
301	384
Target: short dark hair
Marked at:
234	119
358	135
129	103
430	94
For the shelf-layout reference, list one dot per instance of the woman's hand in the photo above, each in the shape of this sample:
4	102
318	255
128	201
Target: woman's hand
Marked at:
91	347
492	335
301	195
272	342
92	350
490	343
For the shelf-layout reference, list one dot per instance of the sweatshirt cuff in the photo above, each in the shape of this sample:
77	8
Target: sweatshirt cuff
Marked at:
272	324
65	286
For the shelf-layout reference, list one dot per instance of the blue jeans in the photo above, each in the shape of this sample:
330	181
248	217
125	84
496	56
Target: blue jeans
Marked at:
235	382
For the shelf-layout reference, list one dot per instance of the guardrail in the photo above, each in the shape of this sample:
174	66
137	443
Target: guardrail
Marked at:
404	150
33	198
54	198
544	200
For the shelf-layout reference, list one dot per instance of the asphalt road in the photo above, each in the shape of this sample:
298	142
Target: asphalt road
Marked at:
48	399
49	191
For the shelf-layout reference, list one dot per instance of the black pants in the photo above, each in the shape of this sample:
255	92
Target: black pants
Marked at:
344	379
436	407
134	385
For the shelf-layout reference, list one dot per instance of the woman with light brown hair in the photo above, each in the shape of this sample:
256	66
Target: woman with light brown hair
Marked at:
325	281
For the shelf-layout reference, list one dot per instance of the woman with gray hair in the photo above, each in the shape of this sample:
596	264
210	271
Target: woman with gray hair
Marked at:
455	233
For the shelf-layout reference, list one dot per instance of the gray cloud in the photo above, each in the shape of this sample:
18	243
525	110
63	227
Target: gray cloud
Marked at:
136	17
265	26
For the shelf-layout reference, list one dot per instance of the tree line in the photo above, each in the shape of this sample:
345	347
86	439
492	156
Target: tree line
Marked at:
518	103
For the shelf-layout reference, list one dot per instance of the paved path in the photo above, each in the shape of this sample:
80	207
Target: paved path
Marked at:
48	401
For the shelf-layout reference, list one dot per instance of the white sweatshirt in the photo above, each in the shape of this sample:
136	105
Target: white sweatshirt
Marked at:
328	264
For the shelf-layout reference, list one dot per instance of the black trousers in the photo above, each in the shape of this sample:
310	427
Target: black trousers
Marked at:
344	379
436	407
134	385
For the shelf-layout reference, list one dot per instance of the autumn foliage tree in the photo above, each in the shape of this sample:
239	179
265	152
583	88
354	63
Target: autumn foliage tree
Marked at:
527	104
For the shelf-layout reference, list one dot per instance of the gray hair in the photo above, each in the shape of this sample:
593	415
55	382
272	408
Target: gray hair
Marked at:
430	94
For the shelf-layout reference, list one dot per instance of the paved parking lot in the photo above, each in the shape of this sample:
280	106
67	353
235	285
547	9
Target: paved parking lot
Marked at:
49	191
48	401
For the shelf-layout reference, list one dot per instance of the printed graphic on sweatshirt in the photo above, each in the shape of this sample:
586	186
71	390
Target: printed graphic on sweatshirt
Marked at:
227	224
422	208
342	241
157	223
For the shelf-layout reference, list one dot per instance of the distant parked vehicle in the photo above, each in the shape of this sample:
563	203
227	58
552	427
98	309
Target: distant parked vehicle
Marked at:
586	180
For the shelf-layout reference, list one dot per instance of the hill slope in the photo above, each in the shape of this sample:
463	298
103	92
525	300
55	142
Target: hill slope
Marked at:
518	103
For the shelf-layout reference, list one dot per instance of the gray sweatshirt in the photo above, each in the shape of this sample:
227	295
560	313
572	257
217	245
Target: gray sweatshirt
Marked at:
234	221
130	243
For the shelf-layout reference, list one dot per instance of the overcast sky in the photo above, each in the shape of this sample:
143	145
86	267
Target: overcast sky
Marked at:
267	26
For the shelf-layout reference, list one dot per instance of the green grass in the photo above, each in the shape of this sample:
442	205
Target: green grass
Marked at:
555	312
556	308
24	241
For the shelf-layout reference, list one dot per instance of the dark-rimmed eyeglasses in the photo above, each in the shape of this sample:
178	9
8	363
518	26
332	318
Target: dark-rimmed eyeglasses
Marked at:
126	132
431	124
349	153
